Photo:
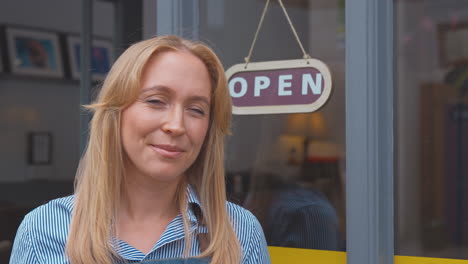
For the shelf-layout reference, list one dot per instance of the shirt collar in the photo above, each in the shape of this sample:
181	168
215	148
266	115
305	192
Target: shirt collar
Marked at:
193	201
192	196
130	253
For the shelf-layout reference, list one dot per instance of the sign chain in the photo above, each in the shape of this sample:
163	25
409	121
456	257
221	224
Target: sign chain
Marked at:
306	55
247	59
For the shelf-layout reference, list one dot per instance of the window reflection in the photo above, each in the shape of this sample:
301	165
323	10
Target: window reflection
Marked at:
295	187
432	128
288	168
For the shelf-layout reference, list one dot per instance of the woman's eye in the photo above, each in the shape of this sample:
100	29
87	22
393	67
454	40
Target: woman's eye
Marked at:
155	101
197	111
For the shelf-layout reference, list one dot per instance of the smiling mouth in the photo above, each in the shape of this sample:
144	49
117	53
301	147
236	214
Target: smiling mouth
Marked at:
168	151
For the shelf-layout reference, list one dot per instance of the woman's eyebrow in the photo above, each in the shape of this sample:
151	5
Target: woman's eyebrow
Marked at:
165	89
159	88
198	98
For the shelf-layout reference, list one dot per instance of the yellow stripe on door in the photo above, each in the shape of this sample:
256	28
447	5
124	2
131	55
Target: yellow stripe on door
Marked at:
281	255
421	260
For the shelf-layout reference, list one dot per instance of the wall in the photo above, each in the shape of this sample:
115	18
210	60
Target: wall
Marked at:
58	15
33	104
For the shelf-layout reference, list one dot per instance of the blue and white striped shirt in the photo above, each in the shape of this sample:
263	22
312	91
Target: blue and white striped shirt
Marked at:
42	236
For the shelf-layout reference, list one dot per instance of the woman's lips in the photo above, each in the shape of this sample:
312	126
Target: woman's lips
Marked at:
168	151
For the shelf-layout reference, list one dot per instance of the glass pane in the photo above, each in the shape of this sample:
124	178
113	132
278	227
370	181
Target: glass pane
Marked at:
432	128
288	169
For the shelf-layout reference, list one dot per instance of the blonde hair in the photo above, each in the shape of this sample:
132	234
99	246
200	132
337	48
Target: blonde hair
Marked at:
100	173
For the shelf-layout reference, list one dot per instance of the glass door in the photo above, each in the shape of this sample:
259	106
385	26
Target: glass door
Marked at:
287	169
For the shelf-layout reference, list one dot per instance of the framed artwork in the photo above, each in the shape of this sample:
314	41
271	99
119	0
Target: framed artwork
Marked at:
39	148
32	52
1	59
101	57
453	44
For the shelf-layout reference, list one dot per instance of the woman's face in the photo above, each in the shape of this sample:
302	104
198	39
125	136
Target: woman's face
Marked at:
164	130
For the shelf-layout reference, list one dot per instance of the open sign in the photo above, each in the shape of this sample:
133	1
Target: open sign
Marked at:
273	87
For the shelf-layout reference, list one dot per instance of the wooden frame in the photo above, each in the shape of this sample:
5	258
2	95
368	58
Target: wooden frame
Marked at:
453	44
101	57
436	99
34	52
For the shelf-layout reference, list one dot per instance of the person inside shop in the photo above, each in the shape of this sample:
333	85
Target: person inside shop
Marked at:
293	212
150	185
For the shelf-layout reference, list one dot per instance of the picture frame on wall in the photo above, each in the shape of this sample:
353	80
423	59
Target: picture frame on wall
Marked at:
39	148
34	52
101	57
453	44
2	68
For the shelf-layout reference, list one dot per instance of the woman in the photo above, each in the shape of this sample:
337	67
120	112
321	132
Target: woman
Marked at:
150	185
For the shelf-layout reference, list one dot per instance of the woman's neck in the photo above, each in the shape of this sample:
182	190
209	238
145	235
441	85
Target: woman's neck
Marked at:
146	209
144	198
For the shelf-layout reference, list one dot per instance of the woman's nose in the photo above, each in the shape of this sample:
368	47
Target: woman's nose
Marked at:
174	122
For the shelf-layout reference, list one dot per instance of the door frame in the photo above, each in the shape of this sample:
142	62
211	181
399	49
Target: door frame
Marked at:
369	132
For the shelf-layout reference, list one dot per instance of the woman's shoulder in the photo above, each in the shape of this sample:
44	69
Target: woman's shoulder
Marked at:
241	215
53	215
244	222
60	207
43	230
250	234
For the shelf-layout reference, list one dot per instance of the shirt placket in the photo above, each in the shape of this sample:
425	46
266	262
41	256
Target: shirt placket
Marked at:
174	233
